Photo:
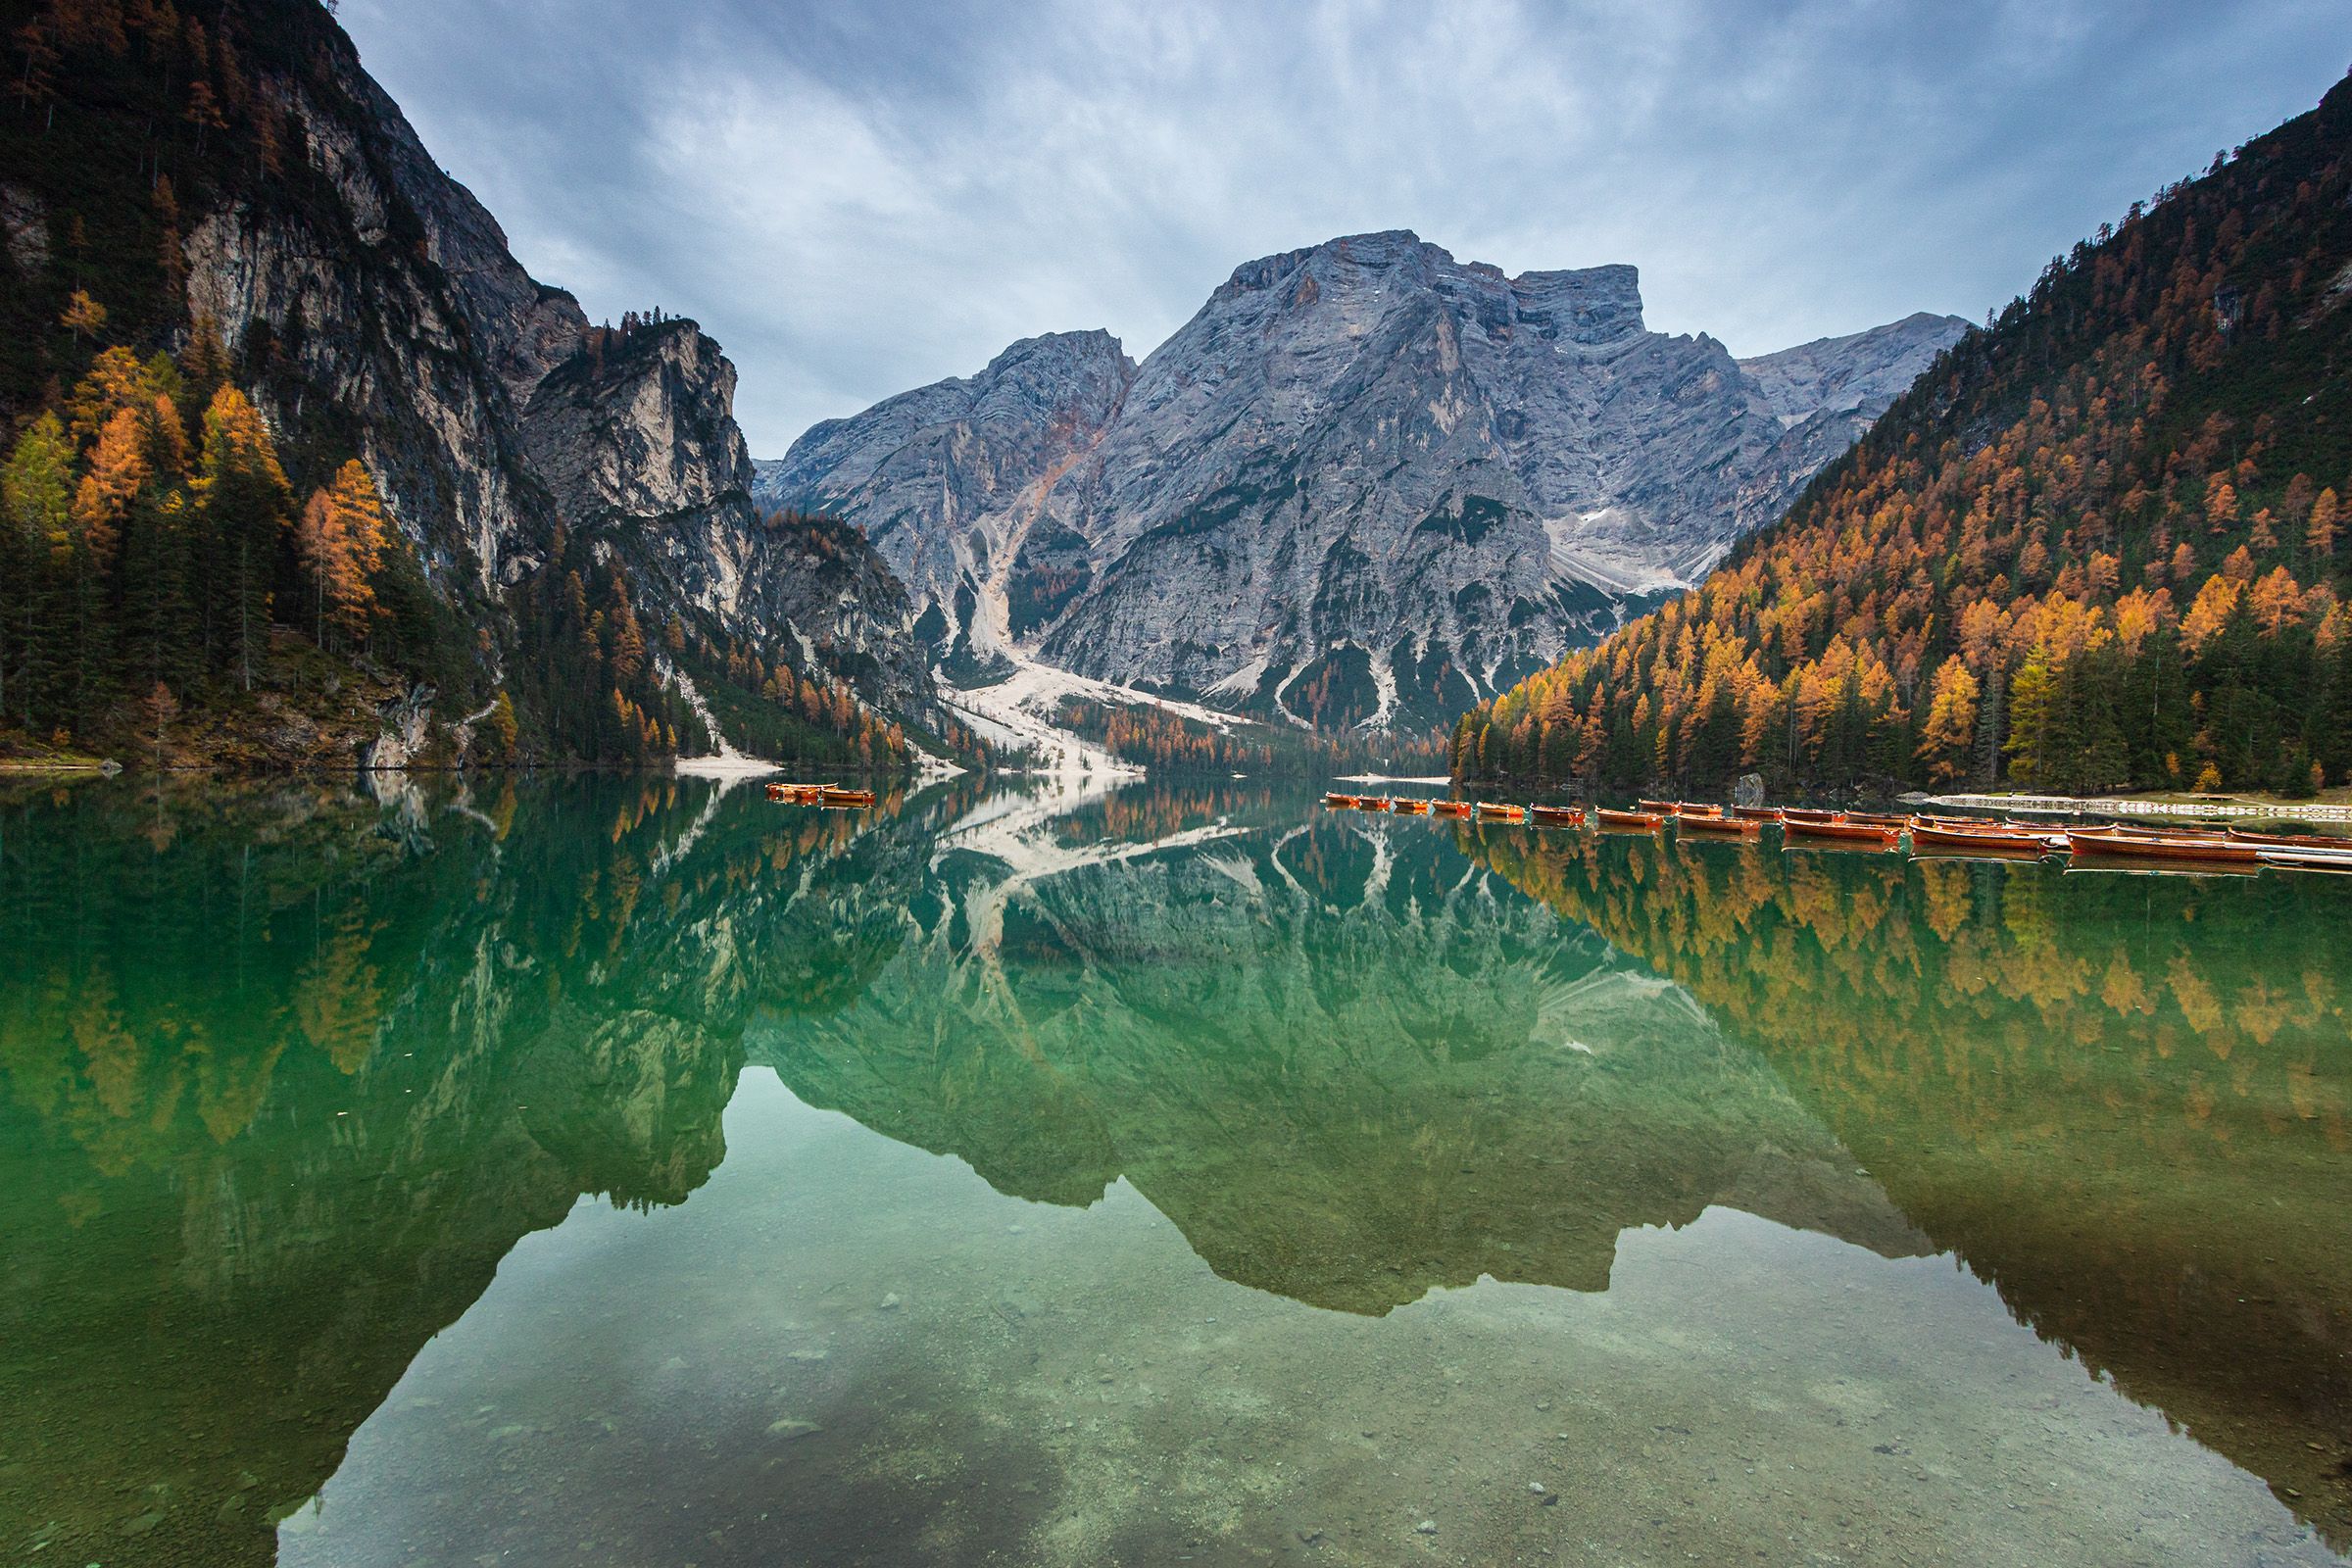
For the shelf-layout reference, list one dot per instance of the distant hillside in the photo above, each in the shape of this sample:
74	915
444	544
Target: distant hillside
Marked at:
2096	545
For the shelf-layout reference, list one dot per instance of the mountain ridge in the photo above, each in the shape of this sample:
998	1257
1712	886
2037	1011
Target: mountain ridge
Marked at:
1365	477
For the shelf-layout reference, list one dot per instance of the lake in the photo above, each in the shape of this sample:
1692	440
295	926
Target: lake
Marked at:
616	1171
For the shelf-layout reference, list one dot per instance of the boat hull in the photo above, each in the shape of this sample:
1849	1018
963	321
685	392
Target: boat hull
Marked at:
2132	847
1978	841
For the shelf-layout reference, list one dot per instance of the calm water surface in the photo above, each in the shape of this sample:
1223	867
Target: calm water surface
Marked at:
602	1172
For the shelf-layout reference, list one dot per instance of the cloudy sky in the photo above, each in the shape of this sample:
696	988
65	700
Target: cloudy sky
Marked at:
856	198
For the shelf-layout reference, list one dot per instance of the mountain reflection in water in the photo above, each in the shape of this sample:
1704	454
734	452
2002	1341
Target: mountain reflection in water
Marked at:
287	1071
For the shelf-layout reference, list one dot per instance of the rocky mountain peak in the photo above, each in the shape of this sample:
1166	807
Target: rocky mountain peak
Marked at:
1365	482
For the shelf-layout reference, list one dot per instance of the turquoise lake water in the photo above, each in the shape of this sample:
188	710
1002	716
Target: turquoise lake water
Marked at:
605	1171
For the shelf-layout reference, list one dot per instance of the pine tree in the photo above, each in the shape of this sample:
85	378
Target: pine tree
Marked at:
84	316
244	500
158	708
504	726
2031	700
1989	719
37	543
1951	723
36	83
341	541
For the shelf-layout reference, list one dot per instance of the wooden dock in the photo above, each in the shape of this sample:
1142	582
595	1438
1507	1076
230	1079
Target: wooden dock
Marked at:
2306	812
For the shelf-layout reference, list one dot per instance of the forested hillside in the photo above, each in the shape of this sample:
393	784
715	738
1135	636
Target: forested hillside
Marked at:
301	466
2096	545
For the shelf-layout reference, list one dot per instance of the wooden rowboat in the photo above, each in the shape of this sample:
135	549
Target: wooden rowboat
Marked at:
1557	815
2134	830
1688	809
1725	827
798	794
1981	840
1867	834
2292	841
1412	808
1876	819
2214	850
1662	808
1450	807
1638	821
1500	812
1339	802
1979	824
1757	813
829	795
1793	815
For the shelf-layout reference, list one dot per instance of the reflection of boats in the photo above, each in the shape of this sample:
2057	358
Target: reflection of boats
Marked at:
1557	815
1638	822
2129	865
1861	835
2129	846
1979	851
1725	827
1406	807
1501	813
2292	858
1450	807
1979	840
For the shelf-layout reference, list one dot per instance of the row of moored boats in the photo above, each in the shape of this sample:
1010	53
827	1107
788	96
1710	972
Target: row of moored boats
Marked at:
832	795
2119	845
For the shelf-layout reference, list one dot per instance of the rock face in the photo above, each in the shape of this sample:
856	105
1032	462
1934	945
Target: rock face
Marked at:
1364	484
641	436
949	482
493	414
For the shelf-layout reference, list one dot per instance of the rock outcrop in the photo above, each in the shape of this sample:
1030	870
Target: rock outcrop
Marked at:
1364	484
393	318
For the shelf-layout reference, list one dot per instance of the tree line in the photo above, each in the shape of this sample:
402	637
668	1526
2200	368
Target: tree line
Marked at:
151	547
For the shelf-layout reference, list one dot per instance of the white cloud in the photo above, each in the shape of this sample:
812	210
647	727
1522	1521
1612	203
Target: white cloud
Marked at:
858	200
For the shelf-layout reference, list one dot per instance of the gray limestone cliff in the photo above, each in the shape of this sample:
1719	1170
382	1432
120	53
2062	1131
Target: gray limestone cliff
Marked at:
395	320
